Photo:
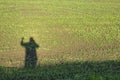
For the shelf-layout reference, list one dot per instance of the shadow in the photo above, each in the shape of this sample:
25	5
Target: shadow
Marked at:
31	54
107	70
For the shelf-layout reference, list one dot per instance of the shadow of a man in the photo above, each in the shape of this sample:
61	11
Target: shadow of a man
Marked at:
31	55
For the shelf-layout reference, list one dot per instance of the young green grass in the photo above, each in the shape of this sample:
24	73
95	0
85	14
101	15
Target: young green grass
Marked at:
67	31
108	70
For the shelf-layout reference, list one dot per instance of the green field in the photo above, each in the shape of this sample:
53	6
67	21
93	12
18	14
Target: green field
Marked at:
79	39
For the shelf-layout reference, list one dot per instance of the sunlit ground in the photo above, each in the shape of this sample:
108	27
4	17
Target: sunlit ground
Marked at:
66	31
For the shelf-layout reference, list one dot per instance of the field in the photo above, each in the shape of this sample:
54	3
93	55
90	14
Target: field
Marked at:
78	39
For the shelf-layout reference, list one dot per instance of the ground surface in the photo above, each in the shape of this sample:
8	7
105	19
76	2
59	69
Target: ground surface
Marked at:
66	30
